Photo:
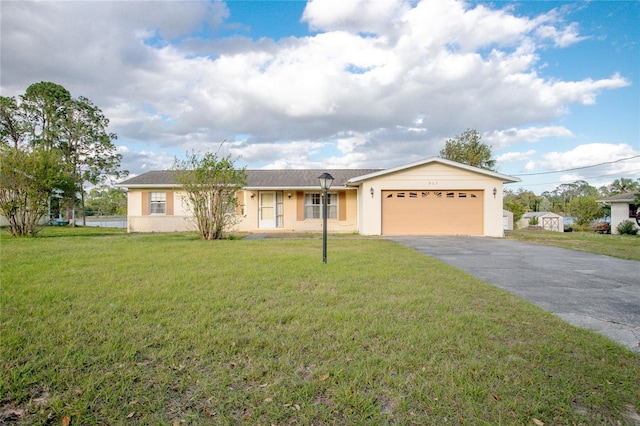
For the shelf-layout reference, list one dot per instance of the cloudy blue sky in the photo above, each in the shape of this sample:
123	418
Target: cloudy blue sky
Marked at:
553	87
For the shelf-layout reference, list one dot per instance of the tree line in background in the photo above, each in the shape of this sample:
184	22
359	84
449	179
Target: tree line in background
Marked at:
51	146
577	200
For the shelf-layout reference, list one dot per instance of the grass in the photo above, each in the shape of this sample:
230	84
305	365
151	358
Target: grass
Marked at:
622	246
105	328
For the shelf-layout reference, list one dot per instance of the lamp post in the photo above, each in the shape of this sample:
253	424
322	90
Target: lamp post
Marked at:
325	183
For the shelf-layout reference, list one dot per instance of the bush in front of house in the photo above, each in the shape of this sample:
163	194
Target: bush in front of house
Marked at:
627	228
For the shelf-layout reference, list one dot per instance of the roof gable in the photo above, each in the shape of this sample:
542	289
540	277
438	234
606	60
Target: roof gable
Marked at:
539	214
504	178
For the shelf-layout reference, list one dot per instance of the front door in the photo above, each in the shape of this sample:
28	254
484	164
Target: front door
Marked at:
267	210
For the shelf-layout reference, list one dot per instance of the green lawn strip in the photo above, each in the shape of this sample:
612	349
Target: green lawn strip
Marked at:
621	246
157	329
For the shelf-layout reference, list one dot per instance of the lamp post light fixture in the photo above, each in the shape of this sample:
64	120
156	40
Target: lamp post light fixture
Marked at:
325	183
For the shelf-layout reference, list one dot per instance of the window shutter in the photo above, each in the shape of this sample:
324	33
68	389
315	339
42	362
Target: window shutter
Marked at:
145	203
299	206
239	202
169	203
342	205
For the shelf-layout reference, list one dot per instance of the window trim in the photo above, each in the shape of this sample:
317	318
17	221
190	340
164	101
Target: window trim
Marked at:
157	203
332	205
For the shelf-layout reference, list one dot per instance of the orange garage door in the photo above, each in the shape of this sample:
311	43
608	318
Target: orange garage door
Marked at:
432	212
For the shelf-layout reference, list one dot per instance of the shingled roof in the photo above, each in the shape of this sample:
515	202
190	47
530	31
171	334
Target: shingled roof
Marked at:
285	179
619	198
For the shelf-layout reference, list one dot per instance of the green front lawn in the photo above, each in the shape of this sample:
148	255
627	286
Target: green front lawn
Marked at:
622	246
101	327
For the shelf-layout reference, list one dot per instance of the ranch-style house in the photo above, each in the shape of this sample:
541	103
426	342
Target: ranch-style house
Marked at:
429	197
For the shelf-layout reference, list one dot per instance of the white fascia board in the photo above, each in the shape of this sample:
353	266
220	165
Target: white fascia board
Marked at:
505	178
291	188
247	188
152	186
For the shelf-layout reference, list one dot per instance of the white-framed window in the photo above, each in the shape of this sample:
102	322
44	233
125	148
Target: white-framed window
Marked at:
313	205
157	202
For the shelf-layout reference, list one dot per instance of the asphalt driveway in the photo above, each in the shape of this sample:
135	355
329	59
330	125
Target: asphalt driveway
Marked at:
592	291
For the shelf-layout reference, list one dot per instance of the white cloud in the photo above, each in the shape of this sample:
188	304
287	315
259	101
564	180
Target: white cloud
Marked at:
510	157
293	155
503	138
140	161
594	163
561	37
588	155
570	177
355	88
364	16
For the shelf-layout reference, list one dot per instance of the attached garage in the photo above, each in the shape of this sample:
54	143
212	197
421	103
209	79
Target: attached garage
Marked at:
431	197
428	212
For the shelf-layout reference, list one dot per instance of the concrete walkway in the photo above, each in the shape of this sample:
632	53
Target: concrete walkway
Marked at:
597	292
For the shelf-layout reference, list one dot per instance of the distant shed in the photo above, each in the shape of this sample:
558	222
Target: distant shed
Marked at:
546	220
507	220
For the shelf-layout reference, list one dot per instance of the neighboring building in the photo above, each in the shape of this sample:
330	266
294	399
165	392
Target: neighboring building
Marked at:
430	197
546	220
622	208
507	220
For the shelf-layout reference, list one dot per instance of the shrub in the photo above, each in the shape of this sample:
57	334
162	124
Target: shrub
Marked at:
627	228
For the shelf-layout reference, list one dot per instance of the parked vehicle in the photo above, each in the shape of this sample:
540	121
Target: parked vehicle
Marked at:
602	227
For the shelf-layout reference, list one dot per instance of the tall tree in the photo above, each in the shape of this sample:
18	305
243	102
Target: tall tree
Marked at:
564	194
466	148
87	145
27	182
585	209
45	106
47	117
624	185
13	127
211	184
107	200
527	199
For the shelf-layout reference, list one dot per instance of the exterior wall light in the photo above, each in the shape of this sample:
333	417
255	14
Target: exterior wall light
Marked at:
495	191
372	191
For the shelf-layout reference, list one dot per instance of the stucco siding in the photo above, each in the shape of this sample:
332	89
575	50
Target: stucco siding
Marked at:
248	213
432	177
292	213
619	213
176	218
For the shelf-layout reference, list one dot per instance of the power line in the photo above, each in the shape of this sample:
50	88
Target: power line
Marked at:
577	168
589	177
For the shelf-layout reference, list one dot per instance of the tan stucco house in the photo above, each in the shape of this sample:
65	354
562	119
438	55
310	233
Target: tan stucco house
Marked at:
622	208
428	197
